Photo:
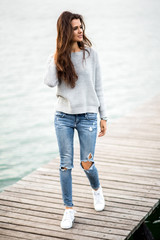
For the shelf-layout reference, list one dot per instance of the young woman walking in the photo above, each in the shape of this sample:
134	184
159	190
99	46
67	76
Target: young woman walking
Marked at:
75	70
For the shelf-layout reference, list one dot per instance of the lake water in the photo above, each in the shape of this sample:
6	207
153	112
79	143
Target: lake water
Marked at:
126	34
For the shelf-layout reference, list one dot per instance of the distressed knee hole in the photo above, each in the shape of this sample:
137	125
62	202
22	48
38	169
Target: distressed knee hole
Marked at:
86	165
90	156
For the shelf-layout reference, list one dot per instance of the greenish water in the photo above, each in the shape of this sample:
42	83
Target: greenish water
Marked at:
153	224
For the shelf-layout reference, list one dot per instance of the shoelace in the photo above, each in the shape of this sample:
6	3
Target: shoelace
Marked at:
98	197
68	215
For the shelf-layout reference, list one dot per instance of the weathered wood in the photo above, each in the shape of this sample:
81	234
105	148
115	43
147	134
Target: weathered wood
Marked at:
47	230
39	219
51	196
113	177
128	161
4	237
110	190
112	212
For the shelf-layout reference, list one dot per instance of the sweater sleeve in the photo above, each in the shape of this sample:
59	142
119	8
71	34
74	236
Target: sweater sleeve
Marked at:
50	75
99	88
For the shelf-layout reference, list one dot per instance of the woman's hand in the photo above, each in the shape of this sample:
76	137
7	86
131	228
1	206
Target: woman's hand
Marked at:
103	126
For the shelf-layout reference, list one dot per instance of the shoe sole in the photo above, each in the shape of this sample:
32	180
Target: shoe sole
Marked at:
100	210
69	227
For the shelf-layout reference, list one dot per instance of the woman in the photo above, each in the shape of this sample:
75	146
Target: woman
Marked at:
75	70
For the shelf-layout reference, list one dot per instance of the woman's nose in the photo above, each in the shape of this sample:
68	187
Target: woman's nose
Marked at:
80	30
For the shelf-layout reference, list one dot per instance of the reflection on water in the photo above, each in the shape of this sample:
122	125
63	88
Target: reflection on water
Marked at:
126	35
150	228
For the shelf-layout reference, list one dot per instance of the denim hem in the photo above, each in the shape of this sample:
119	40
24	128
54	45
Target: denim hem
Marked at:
66	205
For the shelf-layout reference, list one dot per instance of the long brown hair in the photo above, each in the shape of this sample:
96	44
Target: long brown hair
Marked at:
64	65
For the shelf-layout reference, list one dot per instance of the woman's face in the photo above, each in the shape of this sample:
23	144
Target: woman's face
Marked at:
77	30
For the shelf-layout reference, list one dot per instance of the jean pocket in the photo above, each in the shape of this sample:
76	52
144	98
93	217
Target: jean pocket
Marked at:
60	114
91	116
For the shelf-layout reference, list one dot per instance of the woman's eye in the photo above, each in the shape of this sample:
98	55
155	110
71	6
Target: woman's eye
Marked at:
75	28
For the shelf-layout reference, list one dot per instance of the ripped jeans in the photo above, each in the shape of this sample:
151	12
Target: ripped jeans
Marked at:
86	125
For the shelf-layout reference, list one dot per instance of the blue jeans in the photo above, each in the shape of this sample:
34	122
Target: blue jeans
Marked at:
86	125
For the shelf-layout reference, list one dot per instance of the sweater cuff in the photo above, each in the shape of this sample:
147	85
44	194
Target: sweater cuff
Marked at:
104	118
102	114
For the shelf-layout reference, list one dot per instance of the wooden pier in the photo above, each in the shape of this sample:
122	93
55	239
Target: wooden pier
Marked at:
128	161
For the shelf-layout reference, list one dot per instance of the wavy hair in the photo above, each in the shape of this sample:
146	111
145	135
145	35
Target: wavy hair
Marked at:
64	66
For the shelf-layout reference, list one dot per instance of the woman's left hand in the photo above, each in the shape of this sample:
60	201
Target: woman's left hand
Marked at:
103	126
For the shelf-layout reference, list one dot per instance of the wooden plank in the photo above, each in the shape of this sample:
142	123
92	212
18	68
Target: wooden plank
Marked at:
137	172
31	192
6	237
99	216
105	167
108	191
41	216
120	194
49	177
47	230
36	180
80	206
39	219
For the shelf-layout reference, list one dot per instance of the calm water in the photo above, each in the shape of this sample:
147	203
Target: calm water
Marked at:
125	33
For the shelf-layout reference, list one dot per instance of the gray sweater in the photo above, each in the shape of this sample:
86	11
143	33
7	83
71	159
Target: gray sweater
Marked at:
87	95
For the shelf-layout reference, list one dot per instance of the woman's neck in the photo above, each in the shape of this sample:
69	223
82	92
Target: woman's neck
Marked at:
75	47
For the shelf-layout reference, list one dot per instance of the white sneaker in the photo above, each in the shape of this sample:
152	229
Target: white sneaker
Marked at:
99	202
68	219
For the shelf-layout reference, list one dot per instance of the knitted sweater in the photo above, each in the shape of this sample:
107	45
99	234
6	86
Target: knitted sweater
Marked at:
87	95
